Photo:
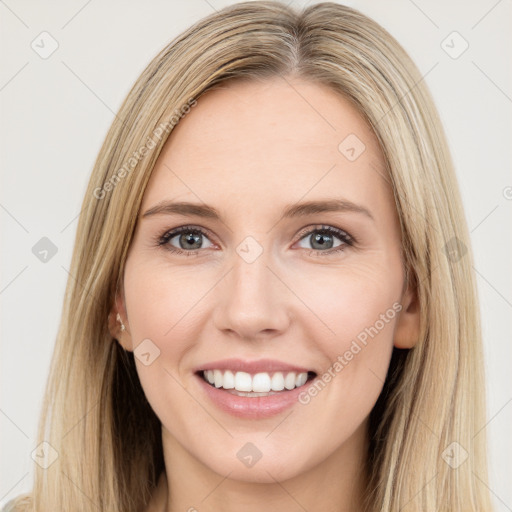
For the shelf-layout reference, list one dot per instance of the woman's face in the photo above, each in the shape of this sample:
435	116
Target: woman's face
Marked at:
288	261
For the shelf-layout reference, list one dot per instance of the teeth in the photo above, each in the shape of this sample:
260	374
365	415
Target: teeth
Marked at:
301	379
217	378
278	382
259	383
228	380
289	381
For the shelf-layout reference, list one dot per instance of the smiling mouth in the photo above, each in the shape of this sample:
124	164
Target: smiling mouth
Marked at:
255	385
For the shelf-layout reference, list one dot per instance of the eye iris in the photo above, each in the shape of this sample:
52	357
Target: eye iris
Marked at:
320	238
190	239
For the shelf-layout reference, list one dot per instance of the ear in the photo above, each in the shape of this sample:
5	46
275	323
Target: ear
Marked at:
123	337
407	328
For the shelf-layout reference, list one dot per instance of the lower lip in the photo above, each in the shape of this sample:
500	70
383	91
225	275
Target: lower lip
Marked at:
254	407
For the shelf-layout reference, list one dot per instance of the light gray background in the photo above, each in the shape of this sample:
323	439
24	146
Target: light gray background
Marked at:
55	114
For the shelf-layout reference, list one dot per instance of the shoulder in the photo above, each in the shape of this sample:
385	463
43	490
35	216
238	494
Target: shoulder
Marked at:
20	503
8	507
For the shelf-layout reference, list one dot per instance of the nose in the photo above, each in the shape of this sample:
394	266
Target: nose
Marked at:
251	301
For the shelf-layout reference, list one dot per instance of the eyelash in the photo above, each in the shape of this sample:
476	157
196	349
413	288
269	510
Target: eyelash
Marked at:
346	239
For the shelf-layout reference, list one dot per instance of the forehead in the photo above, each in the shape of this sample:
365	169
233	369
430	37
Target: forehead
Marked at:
278	139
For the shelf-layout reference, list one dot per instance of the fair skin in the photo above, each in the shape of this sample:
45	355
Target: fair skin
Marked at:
250	150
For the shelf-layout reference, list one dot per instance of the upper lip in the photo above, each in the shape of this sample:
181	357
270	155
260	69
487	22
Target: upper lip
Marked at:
261	365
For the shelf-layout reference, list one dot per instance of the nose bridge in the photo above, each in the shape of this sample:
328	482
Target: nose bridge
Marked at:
251	276
253	302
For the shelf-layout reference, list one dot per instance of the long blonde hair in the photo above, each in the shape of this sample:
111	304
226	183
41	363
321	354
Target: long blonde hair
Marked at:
102	433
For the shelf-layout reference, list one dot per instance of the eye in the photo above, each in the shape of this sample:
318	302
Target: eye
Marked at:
190	240
326	239
184	239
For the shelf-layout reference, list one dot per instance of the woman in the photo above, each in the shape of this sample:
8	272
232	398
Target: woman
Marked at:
272	303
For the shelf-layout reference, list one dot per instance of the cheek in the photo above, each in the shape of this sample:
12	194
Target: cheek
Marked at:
356	310
164	307
164	304
164	313
349	301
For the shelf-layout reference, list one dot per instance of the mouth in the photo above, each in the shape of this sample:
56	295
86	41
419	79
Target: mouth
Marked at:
261	384
254	389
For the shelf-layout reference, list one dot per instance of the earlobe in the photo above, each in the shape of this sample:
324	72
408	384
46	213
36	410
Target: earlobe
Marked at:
118	324
407	328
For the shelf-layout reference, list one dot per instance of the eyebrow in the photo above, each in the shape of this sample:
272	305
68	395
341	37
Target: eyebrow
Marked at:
295	210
